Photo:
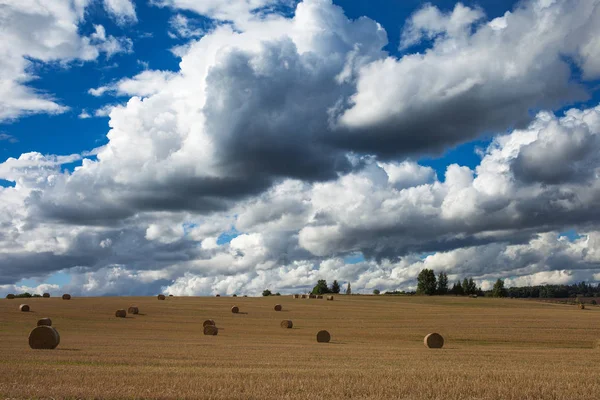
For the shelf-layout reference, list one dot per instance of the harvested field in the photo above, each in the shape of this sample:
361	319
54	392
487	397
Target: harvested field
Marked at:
494	349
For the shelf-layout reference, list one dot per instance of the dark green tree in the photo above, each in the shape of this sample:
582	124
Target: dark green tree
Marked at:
472	287
376	292
335	287
465	286
442	283
321	287
267	292
426	282
348	289
458	289
498	290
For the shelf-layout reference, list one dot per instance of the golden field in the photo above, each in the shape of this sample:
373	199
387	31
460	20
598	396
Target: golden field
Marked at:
495	349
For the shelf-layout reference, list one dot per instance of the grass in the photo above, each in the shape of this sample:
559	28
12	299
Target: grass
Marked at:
495	349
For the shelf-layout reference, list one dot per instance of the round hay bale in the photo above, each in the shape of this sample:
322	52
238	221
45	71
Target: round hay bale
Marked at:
44	337
66	296
277	307
24	307
211	330
133	310
209	322
287	324
581	306
434	341
121	313
44	322
296	296
330	298
303	296
323	337
10	296
235	309
161	297
46	295
245	295
218	295
170	295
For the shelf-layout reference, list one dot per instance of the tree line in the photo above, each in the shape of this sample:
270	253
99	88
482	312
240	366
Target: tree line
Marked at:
429	284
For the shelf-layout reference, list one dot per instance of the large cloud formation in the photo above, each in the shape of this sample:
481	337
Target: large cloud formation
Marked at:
298	135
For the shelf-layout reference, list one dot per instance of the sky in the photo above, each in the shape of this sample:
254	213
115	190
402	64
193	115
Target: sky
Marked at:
204	147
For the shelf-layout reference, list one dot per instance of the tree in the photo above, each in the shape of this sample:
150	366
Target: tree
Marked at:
335	287
457	289
376	292
267	292
472	287
426	282
348	289
465	286
442	284
321	287
498	290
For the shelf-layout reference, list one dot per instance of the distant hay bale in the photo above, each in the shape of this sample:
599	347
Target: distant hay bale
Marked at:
323	337
277	307
434	341
44	337
170	295
133	310
303	296
235	309
330	298
10	296
296	296
209	322
319	296
286	324
161	297
121	313
24	307
581	306
211	330
44	322
46	295
66	296
245	295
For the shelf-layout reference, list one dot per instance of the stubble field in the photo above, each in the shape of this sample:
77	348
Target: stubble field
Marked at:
495	349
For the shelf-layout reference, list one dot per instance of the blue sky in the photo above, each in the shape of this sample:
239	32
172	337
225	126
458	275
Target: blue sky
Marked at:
252	152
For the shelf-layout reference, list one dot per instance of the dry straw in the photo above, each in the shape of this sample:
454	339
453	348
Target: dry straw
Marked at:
121	313
46	295
287	324
24	307
133	310
211	330
161	297
323	337
581	306
66	296
209	322
44	337
44	322
434	341
330	298
10	296
277	307
235	309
